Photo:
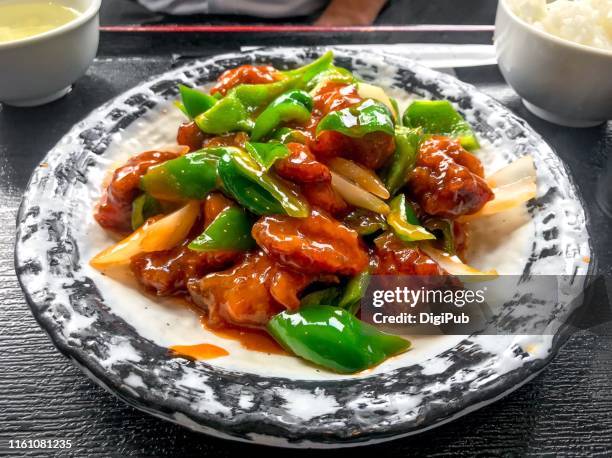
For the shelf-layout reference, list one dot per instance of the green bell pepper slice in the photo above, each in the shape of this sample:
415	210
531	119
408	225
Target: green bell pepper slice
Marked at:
404	158
439	117
254	96
332	73
194	102
233	112
354	291
329	296
230	230
286	135
143	208
228	115
191	176
445	229
247	192
266	154
365	222
333	338
369	116
258	190
292	106
302	76
405	223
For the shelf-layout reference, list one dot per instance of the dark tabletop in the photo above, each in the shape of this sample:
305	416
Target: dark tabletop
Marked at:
566	410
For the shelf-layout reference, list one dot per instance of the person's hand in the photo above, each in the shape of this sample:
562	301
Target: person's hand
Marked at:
345	13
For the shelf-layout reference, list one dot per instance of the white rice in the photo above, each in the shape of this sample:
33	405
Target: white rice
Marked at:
588	22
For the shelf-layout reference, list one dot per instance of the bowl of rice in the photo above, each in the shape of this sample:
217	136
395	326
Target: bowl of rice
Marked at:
557	55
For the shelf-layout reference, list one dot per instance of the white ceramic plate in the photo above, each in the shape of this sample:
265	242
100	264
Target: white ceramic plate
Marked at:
119	337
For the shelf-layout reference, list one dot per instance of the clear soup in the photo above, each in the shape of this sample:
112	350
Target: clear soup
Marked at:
23	19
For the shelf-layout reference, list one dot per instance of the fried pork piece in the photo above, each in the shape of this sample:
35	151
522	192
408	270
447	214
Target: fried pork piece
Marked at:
301	166
245	74
334	96
115	208
394	257
318	244
237	139
447	180
314	177
250	293
214	203
324	196
372	150
167	272
190	135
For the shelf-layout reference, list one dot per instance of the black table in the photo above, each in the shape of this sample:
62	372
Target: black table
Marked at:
566	410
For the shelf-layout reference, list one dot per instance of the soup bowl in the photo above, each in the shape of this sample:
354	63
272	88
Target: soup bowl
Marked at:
39	69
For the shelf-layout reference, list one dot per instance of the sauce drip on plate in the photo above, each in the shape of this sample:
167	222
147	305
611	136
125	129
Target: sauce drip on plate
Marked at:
199	351
251	339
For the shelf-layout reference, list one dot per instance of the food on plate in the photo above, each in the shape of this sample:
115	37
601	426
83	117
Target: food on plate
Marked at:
288	190
588	22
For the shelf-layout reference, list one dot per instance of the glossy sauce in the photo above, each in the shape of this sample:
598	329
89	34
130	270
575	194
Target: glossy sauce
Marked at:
26	19
448	180
245	74
199	351
251	339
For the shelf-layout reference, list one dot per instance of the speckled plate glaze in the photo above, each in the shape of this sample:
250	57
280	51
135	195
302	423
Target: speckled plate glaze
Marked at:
119	337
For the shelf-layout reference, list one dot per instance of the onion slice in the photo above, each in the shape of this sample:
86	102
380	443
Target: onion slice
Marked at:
516	171
155	235
506	198
452	264
357	196
369	91
121	252
361	176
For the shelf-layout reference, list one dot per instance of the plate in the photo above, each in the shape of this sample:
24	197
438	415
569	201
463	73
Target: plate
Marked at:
119	337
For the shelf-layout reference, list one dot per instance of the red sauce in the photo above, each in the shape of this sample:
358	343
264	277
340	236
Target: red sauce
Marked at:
447	180
115	208
372	150
394	257
190	135
318	244
245	74
301	166
251	339
199	351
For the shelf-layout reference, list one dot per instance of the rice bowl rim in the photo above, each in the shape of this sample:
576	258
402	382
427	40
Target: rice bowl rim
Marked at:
554	38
